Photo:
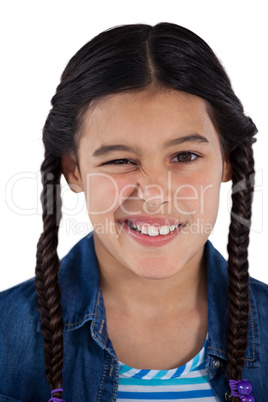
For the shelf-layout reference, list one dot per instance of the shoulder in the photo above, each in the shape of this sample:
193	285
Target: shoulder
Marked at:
19	319
256	284
78	274
258	290
18	302
19	339
21	353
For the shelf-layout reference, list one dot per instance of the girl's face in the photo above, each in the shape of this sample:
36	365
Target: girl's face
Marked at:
149	160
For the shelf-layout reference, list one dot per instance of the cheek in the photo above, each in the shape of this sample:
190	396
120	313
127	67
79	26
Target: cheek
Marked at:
198	199
104	193
209	201
209	198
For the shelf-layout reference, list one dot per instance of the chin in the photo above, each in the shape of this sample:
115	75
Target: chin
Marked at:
156	271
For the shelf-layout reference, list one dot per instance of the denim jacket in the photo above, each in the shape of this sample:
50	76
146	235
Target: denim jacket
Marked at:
90	365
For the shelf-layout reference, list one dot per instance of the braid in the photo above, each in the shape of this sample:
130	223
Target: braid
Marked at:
243	182
47	266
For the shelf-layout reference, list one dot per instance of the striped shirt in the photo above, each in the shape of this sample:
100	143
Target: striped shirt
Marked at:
188	383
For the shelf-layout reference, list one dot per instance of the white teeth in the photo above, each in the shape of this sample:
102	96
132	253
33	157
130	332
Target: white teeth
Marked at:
144	230
165	230
152	230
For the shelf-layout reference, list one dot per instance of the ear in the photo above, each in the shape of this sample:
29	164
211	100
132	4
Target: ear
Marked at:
71	173
227	169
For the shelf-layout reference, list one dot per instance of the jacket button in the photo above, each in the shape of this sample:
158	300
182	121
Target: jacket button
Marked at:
216	364
228	396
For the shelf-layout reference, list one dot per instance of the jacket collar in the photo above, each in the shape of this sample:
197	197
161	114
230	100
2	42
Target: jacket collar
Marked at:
79	281
82	300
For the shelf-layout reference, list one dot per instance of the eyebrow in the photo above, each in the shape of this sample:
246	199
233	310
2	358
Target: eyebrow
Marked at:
105	149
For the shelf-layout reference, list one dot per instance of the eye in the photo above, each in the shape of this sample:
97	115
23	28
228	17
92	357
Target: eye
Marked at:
186	157
118	162
182	157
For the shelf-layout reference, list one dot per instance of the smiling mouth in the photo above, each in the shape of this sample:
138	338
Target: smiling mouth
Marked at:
151	230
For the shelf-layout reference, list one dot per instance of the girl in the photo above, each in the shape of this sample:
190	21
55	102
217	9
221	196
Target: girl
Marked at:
146	124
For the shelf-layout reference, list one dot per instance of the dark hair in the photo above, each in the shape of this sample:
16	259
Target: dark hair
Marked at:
136	57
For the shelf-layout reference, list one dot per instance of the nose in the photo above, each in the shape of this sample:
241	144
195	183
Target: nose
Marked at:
155	191
151	194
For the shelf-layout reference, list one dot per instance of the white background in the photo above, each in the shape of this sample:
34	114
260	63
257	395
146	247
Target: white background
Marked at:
37	40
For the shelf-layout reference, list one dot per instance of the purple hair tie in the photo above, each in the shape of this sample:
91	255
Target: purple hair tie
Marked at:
242	389
53	398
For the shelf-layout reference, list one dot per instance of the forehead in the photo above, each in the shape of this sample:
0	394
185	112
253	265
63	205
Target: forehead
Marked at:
145	117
